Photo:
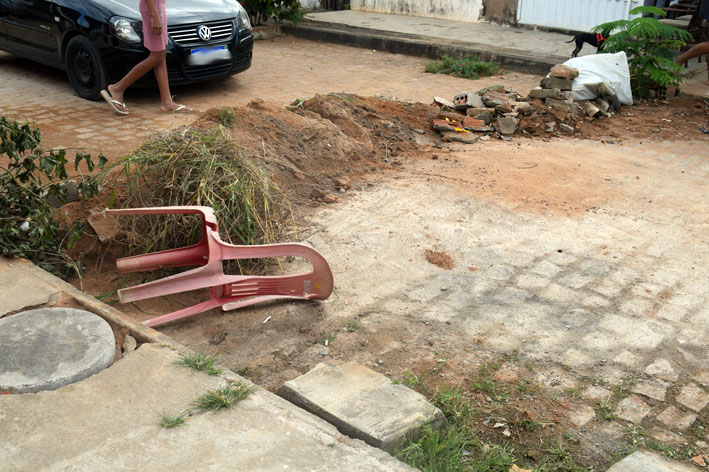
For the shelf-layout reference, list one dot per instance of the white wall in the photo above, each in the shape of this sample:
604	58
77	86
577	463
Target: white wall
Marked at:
460	10
310	3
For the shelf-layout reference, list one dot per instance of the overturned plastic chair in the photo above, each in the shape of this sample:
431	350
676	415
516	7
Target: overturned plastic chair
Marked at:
228	291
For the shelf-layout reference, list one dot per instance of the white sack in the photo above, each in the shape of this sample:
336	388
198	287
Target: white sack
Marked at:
612	69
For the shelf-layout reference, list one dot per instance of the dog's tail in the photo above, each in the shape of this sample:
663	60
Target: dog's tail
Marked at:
572	40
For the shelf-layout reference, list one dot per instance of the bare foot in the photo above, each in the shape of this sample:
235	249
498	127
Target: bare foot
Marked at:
115	94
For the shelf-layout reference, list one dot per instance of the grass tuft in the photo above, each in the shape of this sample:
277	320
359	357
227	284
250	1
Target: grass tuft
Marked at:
223	397
200	362
465	67
226	117
198	167
168	420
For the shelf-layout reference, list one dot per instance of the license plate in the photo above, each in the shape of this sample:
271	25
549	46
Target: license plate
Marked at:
208	55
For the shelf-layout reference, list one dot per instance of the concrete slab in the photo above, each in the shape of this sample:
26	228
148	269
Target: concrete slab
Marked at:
25	293
111	422
362	403
51	347
642	461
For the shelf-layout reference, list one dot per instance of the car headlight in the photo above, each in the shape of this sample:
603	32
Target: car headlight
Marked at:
242	18
123	28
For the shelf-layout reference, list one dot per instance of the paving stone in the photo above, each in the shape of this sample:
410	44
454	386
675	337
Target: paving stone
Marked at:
693	397
532	281
676	419
32	294
672	312
643	461
632	409
627	358
663	369
703	378
561	258
653	388
580	415
556	83
595	392
558	293
362	403
668	437
636	306
542	94
48	348
547	269
608	288
575	358
595	267
595	301
500	272
635	333
575	280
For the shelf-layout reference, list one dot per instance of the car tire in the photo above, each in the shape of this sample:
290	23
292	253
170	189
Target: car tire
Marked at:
85	68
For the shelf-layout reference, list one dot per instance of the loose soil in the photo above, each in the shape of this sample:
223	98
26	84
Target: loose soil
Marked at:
322	150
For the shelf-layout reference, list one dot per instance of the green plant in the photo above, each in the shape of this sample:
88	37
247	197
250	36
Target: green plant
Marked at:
32	174
200	362
223	397
411	380
226	117
662	448
244	370
606	411
650	47
465	67
353	326
168	420
439	450
261	11
454	404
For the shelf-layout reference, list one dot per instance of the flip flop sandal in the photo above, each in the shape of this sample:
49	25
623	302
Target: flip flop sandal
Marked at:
705	128
179	109
115	104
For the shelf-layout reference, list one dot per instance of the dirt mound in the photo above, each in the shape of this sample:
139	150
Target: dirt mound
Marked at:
308	145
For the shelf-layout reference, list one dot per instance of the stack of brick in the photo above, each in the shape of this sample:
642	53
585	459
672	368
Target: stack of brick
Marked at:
555	89
492	109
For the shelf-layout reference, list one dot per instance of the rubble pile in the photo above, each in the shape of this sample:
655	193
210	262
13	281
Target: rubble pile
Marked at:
549	109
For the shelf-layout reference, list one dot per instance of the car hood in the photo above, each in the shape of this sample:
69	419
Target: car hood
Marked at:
178	11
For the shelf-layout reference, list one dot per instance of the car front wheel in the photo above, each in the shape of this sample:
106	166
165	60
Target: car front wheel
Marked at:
85	68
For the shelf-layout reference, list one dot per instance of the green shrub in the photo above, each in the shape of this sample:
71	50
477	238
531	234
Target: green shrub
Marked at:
650	46
468	67
261	11
32	174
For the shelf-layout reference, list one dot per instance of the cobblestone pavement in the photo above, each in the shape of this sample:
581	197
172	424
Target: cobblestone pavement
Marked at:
617	298
283	69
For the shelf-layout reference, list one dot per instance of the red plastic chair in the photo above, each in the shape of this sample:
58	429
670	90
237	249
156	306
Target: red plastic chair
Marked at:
228	291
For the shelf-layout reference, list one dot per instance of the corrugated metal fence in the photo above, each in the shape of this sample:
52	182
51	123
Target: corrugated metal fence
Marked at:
578	15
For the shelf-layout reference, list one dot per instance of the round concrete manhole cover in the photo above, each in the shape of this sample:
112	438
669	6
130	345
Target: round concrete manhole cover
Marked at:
47	348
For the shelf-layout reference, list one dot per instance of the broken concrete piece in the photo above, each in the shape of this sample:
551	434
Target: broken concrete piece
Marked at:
569	107
493	88
485	114
541	93
567	95
504	108
566	128
468	100
556	83
550	127
446	125
506	125
70	188
493	99
442	102
472	123
642	461
467	138
362	403
560	71
105	227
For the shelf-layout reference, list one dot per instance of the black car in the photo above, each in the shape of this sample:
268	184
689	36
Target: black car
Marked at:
98	41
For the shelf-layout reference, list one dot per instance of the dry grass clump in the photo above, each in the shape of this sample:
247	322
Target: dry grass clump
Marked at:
198	167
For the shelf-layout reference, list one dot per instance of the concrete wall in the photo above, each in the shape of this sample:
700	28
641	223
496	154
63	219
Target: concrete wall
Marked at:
459	10
502	12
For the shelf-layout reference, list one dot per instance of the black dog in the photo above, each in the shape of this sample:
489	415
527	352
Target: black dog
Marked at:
594	39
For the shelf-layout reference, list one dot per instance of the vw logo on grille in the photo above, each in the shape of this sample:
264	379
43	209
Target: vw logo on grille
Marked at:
205	33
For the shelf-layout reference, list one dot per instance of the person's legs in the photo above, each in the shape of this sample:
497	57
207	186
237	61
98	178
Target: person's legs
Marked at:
166	103
139	70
